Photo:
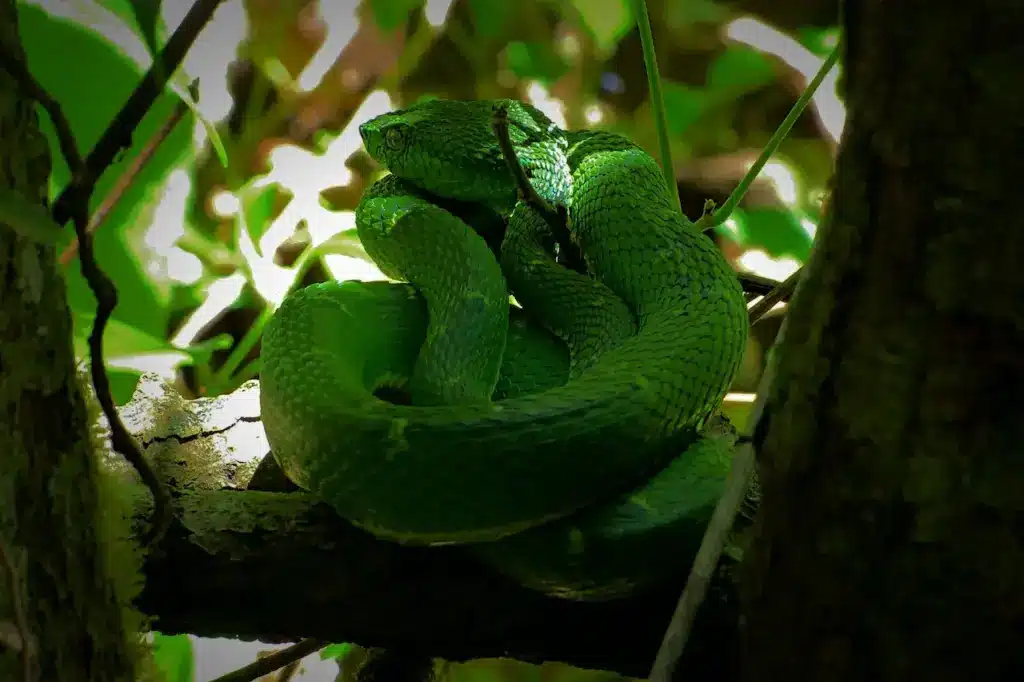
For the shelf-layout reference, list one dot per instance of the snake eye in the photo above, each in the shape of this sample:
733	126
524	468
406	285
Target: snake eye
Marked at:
393	138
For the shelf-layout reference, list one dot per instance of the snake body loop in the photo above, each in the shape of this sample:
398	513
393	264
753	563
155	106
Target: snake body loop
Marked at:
567	441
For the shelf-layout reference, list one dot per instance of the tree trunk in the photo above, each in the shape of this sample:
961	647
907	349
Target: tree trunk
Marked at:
891	542
54	589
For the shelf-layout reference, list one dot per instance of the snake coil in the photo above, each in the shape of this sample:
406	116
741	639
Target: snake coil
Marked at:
570	442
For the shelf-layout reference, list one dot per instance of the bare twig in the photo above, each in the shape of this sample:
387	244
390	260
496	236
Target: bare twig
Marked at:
118	134
781	292
752	284
130	174
715	536
555	216
20	620
712	219
756	284
275	661
18	69
123	443
499	123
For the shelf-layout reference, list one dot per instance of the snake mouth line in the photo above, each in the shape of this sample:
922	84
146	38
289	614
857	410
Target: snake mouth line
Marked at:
393	393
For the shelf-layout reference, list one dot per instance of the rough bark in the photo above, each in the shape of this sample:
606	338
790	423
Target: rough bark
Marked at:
48	492
891	545
277	566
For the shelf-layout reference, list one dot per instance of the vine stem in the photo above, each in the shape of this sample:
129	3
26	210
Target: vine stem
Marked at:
713	219
643	24
744	464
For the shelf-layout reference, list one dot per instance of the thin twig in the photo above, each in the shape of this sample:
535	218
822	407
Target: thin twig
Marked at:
756	284
274	661
526	192
118	134
715	536
783	291
710	220
131	173
752	284
18	69
555	216
20	619
123	443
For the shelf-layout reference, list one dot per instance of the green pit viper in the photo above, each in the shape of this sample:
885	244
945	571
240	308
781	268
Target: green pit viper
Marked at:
569	442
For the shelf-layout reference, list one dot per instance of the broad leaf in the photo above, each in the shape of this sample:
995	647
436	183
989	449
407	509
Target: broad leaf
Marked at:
69	60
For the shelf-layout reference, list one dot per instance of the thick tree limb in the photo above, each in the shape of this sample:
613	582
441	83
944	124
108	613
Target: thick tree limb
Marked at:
280	567
890	542
55	542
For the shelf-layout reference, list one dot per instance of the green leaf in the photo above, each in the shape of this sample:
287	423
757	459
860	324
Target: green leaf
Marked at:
490	16
173	657
68	60
820	41
188	100
259	208
148	18
607	20
119	339
739	69
344	243
142	17
335	651
535	61
391	14
128	352
776	230
684	105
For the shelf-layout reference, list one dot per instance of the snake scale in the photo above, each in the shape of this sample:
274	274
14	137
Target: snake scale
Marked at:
568	442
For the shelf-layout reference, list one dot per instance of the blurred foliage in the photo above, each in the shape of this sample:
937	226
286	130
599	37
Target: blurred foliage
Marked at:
173	657
201	254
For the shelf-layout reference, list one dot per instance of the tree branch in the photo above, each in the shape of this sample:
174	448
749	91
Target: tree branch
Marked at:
128	177
230	569
229	563
118	134
273	662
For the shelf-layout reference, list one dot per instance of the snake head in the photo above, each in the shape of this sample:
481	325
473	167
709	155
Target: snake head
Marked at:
449	148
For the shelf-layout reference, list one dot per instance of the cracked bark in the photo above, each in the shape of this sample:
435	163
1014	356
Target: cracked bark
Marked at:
891	545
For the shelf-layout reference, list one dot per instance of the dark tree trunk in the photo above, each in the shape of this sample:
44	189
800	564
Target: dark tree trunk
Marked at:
892	528
54	588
